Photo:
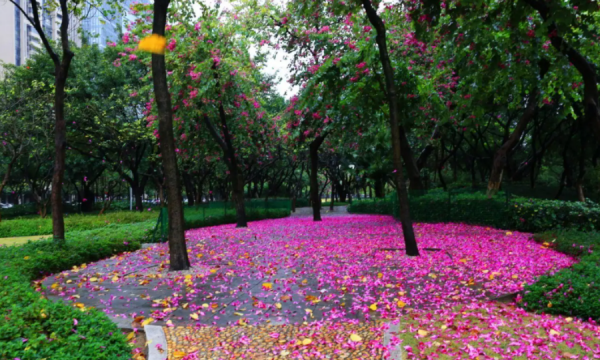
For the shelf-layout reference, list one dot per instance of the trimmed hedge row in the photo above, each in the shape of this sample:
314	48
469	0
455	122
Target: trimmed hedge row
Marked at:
32	327
573	291
531	215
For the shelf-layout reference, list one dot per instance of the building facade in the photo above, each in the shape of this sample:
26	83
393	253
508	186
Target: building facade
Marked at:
20	40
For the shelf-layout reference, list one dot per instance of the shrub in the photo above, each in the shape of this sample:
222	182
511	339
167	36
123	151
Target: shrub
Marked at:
32	327
574	291
538	215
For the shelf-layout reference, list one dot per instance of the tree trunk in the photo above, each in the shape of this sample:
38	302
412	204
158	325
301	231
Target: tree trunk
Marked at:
6	177
332	196
177	247
189	188
379	188
407	228
237	195
414	175
314	181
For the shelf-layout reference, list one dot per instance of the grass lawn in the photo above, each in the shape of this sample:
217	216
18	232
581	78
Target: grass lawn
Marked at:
21	239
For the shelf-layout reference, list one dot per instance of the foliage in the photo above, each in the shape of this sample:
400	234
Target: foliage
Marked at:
537	215
33	327
574	291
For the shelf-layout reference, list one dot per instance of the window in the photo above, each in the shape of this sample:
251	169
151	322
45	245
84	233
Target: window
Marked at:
17	35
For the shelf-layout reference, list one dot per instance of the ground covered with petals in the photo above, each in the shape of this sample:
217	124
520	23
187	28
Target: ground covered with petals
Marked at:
296	270
345	270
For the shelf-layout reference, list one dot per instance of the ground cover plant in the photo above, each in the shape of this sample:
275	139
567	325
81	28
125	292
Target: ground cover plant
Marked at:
33	327
573	291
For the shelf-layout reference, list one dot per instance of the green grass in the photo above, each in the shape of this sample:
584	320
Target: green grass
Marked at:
21	239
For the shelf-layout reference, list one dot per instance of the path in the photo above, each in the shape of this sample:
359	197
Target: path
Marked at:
319	283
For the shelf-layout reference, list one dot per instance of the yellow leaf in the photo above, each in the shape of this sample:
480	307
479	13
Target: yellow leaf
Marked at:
554	332
212	271
355	338
515	276
379	275
401	304
422	332
267	286
463	261
154	44
569	319
433	276
508	233
194	316
115	278
179	354
241	322
130	336
205	305
549	304
147	321
306	341
26	258
278	305
80	305
238	314
94	279
199	255
373	307
284	353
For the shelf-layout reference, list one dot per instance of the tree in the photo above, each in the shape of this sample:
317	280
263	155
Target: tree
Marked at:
177	247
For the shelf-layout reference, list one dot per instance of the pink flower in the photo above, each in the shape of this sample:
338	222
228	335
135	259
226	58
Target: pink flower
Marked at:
361	65
172	44
75	322
256	105
132	57
367	28
125	38
336	60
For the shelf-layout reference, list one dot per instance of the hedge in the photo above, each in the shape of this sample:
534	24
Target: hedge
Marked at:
32	327
531	215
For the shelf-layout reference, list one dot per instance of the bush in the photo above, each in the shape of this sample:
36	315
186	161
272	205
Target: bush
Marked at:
574	291
538	215
32	327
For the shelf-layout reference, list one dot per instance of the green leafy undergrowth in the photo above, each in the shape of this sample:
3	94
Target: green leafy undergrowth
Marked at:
32	327
573	291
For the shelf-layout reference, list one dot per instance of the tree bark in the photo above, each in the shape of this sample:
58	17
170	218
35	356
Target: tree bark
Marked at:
407	228
412	170
314	181
177	247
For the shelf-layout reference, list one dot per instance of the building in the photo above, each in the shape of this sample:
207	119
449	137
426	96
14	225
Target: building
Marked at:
20	40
